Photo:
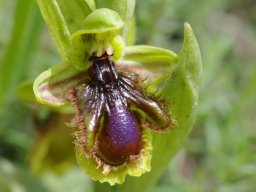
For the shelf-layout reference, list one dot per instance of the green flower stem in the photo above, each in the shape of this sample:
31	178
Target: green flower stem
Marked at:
181	90
25	34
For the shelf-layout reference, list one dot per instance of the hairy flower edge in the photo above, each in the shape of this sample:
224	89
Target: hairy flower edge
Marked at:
116	174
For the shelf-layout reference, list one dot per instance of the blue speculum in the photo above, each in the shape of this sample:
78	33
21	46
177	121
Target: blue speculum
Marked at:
112	109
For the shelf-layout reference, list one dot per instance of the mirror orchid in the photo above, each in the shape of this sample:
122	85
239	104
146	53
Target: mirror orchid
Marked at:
117	92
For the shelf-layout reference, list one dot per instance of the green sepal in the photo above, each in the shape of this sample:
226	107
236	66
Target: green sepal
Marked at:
117	174
25	92
99	33
73	12
63	18
100	21
91	4
51	86
124	8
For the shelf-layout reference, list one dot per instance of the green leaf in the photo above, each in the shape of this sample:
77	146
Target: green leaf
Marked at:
16	59
181	90
64	17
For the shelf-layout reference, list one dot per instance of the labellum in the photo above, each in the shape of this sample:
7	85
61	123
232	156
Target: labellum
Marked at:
112	110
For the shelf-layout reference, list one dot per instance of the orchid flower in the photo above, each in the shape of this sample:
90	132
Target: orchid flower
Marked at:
119	93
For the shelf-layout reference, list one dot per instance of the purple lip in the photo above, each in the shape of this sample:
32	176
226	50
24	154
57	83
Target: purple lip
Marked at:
120	136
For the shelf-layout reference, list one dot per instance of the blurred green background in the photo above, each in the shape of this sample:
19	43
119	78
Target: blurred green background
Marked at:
220	154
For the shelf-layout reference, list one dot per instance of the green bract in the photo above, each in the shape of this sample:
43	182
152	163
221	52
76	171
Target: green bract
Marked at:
181	90
104	28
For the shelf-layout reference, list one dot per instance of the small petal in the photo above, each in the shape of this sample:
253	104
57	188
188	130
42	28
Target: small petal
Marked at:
89	107
149	62
51	86
151	108
156	118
